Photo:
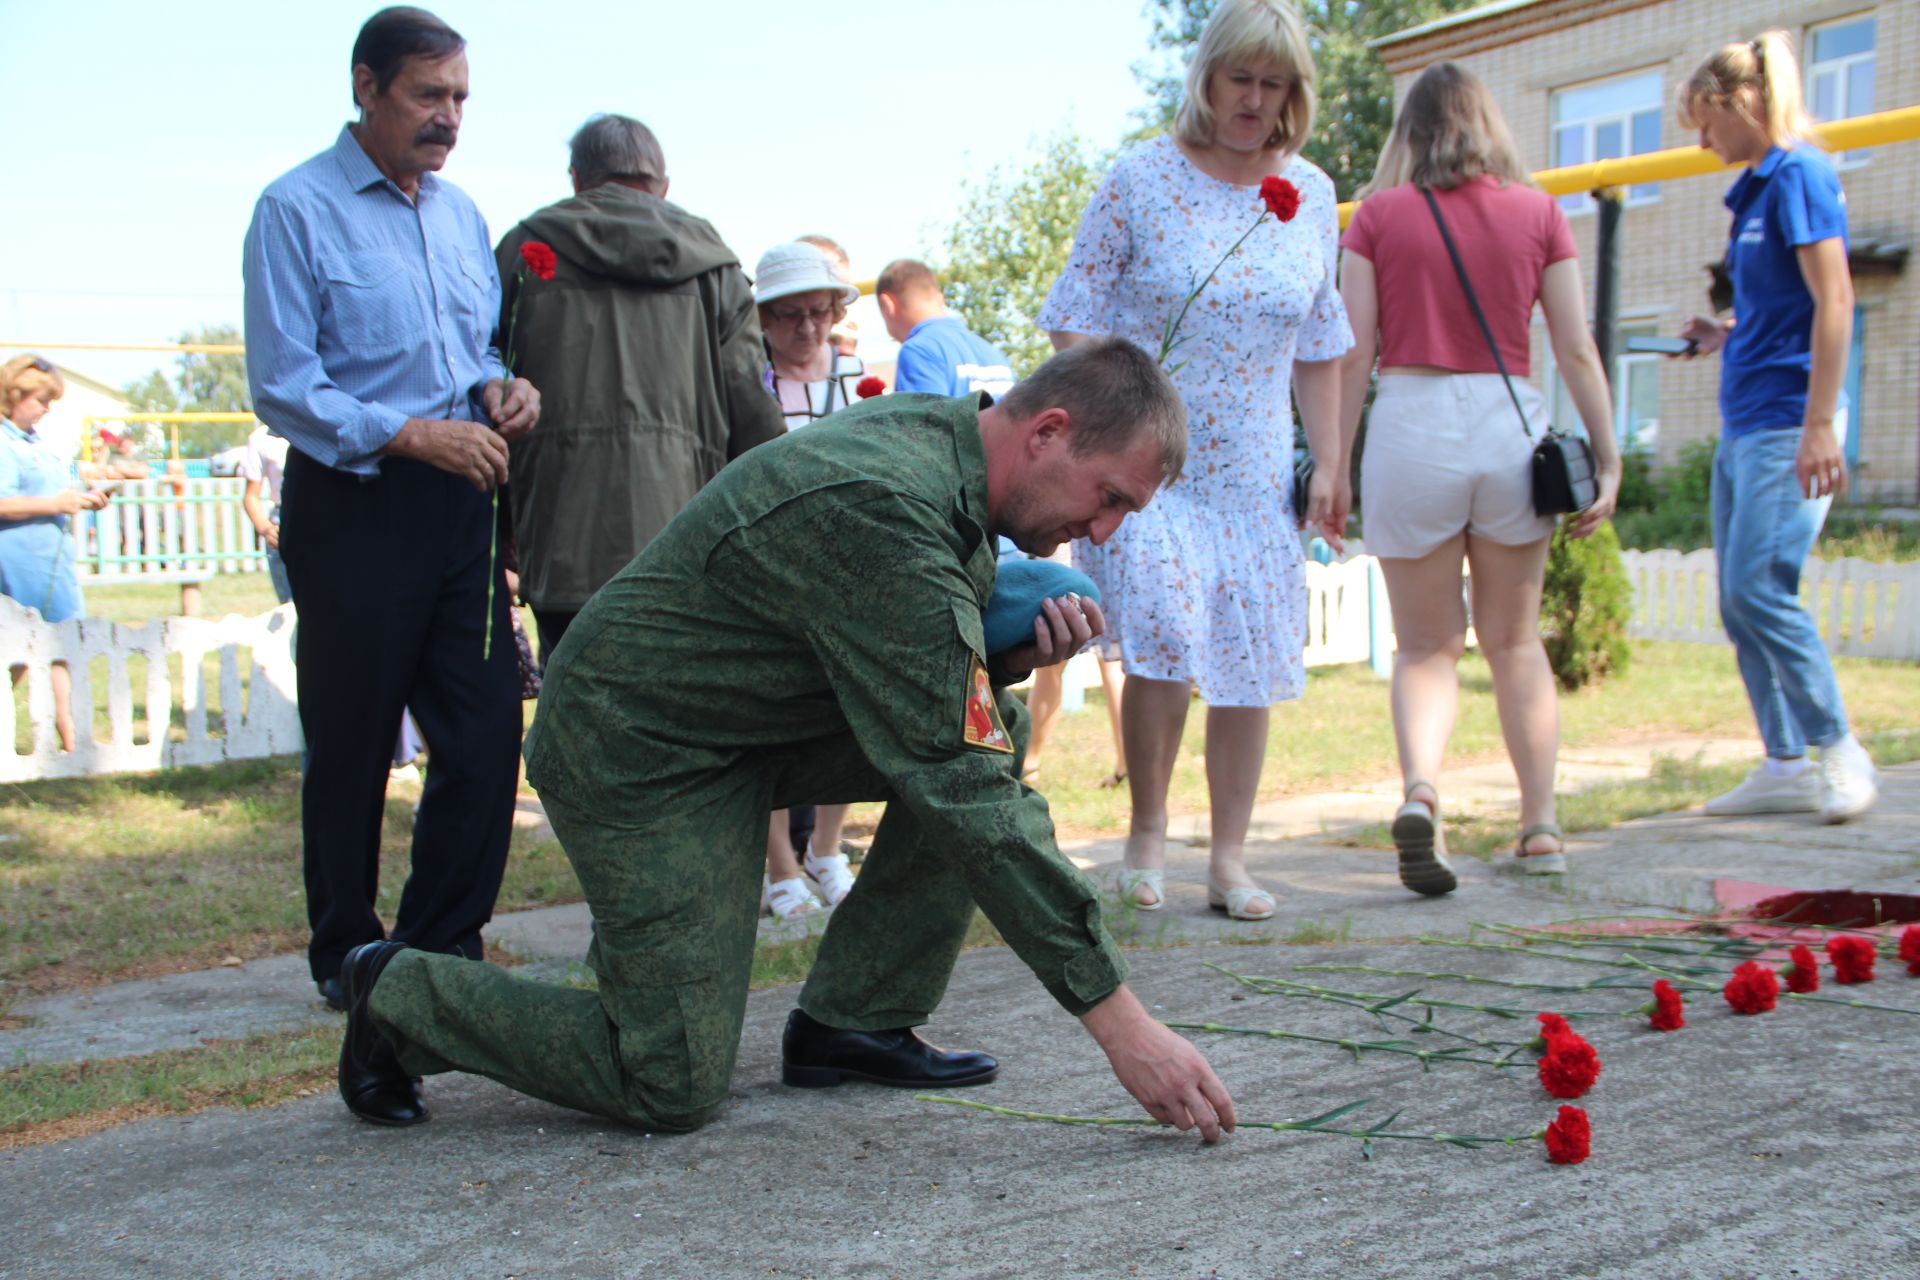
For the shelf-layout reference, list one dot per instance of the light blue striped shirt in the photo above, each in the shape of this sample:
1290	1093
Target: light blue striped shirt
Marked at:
364	308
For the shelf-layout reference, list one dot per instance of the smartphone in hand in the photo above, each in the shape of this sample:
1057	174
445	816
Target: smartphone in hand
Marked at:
1663	346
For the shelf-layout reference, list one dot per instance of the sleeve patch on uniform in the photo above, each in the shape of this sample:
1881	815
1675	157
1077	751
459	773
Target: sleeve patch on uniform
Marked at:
983	728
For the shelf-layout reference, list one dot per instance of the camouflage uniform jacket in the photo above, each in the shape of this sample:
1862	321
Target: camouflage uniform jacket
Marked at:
830	580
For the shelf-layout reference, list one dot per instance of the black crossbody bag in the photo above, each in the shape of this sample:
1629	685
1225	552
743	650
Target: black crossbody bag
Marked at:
1565	481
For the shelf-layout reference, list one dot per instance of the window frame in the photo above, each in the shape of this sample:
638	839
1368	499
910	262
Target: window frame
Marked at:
1645	193
1839	68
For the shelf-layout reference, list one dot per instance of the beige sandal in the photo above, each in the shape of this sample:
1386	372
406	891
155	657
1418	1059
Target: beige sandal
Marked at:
1551	863
1155	882
1236	901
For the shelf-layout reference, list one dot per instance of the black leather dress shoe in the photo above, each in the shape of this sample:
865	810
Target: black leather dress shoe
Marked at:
372	1082
333	993
816	1056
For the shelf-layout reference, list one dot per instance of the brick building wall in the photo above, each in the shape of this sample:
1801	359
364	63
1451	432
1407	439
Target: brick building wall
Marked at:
1527	51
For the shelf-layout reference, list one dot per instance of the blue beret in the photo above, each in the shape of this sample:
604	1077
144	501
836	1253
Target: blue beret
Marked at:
1018	589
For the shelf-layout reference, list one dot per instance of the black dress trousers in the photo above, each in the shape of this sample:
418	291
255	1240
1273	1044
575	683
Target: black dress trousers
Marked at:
389	577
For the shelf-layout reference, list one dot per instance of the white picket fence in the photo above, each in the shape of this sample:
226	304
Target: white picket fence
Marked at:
1864	609
157	669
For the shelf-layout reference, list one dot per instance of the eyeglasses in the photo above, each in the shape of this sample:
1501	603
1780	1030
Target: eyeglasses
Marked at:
794	315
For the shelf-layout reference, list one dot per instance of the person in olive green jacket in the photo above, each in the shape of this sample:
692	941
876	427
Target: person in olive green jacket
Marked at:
690	697
647	333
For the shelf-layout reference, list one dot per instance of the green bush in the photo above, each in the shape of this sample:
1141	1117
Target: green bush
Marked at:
1585	608
1674	510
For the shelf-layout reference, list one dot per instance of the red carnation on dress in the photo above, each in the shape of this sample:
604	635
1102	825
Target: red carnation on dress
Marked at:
1804	975
1910	949
869	387
540	258
1570	1067
1281	197
1852	958
1668	1007
1754	988
1569	1138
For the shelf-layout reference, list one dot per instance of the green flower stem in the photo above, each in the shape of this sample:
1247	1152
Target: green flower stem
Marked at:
1169	339
1380	1007
1705	948
1536	952
1286	987
1427	1057
493	510
1317	1124
1789	995
1600	984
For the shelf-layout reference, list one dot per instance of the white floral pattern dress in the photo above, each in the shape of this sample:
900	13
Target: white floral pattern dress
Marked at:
1208	583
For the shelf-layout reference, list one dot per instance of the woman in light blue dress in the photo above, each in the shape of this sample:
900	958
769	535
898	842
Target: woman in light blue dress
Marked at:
36	555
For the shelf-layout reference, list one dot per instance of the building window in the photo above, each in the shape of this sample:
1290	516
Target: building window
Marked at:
1605	120
1636	392
1840	74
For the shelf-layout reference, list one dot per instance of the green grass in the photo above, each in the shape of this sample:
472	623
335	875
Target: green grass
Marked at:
237	1073
114	875
1341	732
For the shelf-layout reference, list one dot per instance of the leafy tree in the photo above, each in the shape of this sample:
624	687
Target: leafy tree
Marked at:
213	383
1011	240
1355	92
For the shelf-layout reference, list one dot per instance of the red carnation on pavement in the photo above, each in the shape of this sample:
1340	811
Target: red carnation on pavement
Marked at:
1569	1138
1754	988
1668	1008
1910	949
1570	1067
869	387
1281	197
1551	1025
1852	958
1804	975
540	258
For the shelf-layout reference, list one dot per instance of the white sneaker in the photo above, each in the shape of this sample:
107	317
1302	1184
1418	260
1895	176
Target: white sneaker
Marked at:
1763	792
1850	782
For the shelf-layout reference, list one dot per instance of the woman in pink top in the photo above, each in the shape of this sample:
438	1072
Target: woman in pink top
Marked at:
1446	473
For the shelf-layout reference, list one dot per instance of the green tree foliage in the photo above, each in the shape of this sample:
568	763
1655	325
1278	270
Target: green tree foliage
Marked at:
1355	92
1011	240
1585	608
213	383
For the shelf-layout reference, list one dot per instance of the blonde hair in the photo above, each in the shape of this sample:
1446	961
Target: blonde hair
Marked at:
1449	131
1249	31
1759	79
25	376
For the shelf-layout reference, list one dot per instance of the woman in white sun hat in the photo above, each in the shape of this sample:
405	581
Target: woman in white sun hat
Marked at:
801	299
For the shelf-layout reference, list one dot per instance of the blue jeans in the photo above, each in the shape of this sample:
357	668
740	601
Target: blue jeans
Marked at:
1763	529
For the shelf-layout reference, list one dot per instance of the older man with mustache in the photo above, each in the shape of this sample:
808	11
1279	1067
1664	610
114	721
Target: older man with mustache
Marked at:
371	295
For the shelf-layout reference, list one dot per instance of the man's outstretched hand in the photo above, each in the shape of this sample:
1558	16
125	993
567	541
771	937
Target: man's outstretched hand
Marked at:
1164	1073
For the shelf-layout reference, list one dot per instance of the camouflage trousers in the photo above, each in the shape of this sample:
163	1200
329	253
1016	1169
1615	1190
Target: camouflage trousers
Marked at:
676	905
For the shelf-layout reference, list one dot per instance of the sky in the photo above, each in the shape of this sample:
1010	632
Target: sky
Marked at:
157	126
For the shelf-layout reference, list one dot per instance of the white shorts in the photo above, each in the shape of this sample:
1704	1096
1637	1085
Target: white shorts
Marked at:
1447	453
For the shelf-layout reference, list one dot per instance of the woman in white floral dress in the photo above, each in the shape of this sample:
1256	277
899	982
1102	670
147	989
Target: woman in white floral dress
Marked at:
1206	589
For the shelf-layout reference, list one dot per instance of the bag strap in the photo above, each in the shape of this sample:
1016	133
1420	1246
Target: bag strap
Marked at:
1486	330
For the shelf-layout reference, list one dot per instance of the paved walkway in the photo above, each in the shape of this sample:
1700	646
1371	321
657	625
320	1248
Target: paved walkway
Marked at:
1731	1149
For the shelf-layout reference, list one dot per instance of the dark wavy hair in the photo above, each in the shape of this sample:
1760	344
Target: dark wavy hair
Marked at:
395	34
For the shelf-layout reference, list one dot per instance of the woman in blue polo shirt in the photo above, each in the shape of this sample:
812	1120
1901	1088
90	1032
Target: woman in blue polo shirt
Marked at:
1783	420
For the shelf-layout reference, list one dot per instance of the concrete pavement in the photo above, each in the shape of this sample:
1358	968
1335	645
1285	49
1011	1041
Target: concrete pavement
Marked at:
1770	1146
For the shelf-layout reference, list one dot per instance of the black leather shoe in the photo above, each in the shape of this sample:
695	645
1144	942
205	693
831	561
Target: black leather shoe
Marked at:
816	1056
372	1081
333	993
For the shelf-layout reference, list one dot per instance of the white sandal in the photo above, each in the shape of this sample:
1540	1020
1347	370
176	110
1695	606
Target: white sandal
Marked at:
833	874
788	898
1235	901
1154	881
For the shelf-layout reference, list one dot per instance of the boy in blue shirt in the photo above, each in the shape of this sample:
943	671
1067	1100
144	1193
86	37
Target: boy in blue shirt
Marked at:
938	354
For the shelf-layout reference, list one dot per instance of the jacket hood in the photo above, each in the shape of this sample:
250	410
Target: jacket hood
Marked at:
629	236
